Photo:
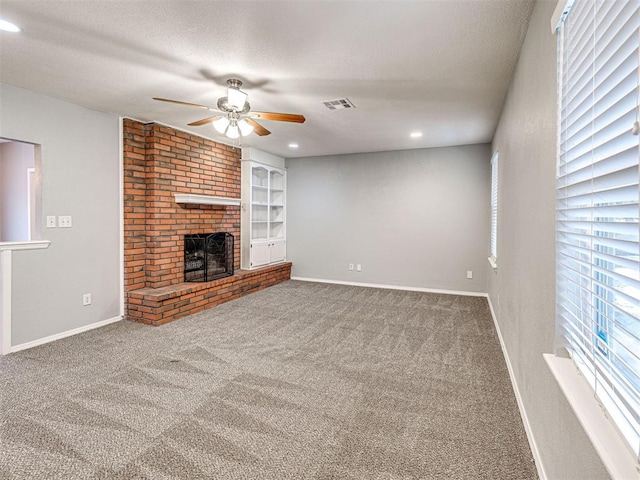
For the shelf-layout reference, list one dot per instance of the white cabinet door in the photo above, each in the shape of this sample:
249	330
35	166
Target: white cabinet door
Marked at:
277	252
260	254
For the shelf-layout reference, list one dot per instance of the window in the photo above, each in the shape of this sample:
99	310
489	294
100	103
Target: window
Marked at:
598	268
494	211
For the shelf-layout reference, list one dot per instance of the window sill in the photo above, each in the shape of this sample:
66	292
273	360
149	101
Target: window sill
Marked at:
493	263
607	441
32	245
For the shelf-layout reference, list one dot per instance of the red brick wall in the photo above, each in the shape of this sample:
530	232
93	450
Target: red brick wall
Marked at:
160	161
134	151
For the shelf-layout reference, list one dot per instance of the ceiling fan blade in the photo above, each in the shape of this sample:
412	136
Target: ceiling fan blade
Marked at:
203	121
259	129
280	117
183	103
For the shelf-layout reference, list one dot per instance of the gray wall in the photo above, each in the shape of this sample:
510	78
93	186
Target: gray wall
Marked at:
15	159
80	177
522	291
413	218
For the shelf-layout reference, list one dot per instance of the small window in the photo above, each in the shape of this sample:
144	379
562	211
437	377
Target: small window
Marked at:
493	259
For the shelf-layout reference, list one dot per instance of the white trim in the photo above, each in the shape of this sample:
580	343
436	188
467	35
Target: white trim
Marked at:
68	333
607	441
192	198
392	287
559	14
5	301
34	245
523	413
255	155
30	171
492	262
121	200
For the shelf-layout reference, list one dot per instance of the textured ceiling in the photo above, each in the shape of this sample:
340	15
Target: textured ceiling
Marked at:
439	67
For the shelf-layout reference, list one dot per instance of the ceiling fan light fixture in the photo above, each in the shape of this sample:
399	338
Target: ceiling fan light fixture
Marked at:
221	124
233	131
236	98
245	127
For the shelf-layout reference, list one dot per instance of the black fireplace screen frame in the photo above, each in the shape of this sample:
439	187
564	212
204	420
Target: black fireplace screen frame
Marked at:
208	256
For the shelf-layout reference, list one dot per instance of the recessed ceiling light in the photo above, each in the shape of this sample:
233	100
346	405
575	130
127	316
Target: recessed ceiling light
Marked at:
416	134
7	26
293	145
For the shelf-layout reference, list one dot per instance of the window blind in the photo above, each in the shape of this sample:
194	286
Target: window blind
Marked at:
494	206
597	228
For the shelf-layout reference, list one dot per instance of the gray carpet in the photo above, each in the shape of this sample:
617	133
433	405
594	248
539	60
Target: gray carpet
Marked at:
298	381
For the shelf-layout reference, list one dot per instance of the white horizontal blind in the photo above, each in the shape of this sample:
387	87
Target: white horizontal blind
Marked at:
598	269
494	206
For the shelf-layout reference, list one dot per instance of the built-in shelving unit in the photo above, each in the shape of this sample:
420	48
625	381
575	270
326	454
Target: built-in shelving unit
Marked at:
264	200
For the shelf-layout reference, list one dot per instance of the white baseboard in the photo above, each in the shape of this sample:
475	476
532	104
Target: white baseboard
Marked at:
68	333
392	287
523	414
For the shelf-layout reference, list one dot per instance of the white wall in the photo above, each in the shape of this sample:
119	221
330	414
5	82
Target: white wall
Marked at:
522	291
15	159
413	218
80	177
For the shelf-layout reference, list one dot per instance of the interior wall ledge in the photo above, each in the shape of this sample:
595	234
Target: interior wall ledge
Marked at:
30	245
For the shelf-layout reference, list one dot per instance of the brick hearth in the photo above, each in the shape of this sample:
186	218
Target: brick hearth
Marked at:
156	306
158	162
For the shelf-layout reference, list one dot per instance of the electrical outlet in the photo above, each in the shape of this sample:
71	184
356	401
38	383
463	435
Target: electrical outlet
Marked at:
469	274
351	266
64	221
358	268
51	221
86	299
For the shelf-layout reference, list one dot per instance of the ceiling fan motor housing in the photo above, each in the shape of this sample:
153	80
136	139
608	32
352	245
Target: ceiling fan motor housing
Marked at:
223	105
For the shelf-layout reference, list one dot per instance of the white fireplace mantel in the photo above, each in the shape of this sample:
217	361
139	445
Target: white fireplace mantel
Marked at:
188	198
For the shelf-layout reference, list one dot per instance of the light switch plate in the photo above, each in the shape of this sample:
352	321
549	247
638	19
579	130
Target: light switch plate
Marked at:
51	221
64	221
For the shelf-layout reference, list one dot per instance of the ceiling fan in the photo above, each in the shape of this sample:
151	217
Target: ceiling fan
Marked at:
235	117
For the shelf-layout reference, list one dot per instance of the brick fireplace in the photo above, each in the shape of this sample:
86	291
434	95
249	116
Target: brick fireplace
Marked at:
158	162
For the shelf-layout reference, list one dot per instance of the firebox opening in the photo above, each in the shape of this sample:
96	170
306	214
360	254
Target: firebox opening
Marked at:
208	256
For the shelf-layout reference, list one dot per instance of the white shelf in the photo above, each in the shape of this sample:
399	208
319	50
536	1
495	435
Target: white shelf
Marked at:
205	200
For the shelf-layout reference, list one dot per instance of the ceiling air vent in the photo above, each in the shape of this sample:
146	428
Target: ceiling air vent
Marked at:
340	104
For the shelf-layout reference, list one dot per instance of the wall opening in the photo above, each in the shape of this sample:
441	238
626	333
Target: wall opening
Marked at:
20	191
